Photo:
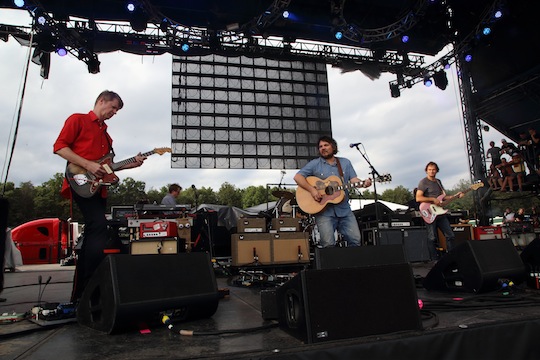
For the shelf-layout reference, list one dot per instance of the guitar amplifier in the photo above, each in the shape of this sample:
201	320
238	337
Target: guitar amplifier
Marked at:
154	246
251	225
155	229
251	249
290	248
286	224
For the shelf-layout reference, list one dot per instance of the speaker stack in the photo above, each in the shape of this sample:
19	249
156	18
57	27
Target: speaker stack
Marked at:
331	303
126	290
477	266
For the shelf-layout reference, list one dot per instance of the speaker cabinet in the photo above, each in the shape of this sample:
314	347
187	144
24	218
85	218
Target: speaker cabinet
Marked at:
413	239
331	304
154	246
476	266
358	256
290	248
462	233
126	290
251	249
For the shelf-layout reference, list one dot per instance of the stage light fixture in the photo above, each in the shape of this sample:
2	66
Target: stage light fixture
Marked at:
445	64
427	81
405	39
286	14
486	31
498	14
130	7
19	3
394	91
468	57
61	50
440	79
339	35
93	64
185	47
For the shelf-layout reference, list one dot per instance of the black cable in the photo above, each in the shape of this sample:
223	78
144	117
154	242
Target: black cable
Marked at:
167	321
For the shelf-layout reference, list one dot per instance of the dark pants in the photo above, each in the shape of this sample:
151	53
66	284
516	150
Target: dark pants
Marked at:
95	237
443	224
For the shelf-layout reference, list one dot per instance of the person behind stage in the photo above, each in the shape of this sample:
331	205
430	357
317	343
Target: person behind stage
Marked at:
170	198
334	216
429	190
83	141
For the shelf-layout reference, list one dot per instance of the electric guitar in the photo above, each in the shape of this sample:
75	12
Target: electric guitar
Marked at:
331	190
430	211
87	184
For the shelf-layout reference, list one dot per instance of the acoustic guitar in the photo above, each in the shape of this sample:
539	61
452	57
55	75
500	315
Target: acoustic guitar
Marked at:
331	190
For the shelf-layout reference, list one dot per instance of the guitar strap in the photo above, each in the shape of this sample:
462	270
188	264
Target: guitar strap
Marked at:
340	169
111	150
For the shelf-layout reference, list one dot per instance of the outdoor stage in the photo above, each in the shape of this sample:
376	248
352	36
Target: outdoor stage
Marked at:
491	325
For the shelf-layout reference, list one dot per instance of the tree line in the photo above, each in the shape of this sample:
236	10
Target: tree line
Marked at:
30	202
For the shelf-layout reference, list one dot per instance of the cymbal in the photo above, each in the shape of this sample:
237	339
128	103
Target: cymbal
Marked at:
283	194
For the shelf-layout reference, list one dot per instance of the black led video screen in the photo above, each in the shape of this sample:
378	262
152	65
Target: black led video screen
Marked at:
247	113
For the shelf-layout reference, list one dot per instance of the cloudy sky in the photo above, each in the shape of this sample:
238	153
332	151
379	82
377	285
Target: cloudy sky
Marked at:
399	135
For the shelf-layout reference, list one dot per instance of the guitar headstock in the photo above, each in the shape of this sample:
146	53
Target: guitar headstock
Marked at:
162	150
384	178
477	186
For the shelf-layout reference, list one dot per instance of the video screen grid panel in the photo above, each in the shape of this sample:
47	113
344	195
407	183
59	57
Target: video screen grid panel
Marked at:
247	113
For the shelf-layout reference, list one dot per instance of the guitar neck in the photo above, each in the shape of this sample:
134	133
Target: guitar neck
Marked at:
446	202
350	185
120	164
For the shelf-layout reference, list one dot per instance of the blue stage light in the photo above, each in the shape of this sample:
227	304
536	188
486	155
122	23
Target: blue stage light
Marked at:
468	57
61	51
19	3
185	47
486	31
427	81
131	7
339	35
498	14
286	14
405	39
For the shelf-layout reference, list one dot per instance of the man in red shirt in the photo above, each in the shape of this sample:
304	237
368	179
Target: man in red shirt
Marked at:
83	141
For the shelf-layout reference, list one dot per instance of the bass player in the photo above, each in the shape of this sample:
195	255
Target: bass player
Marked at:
430	190
82	141
334	216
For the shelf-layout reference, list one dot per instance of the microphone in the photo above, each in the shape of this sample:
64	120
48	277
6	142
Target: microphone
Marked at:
355	144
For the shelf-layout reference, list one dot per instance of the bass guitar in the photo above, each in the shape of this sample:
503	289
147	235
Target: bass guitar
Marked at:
331	190
87	184
430	211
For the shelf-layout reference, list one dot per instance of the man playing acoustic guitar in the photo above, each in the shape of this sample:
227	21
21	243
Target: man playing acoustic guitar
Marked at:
83	141
334	215
431	191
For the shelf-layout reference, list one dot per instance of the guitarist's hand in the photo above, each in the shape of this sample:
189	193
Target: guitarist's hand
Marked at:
316	196
96	169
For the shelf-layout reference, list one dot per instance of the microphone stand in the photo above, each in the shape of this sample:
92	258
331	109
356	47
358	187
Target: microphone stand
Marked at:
374	173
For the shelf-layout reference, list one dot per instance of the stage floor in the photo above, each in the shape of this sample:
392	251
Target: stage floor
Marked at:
447	320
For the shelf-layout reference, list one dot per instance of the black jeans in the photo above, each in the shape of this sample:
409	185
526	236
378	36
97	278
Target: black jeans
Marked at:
95	237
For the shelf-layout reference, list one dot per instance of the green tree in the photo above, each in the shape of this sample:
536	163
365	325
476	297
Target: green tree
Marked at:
229	195
254	195
48	201
398	195
127	192
21	204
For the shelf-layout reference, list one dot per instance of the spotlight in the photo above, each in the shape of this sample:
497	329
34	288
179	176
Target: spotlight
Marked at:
486	31
394	91
19	3
468	57
440	79
61	50
286	14
405	39
427	81
339	35
498	14
445	64
130	7
93	64
185	47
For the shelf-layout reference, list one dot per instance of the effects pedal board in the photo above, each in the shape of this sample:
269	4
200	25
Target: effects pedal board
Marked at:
53	314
